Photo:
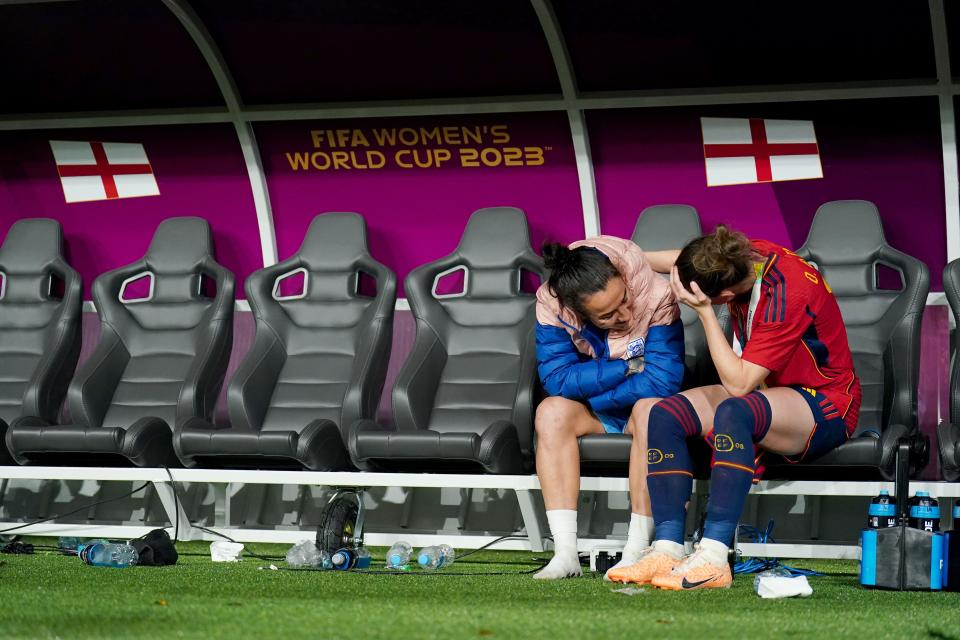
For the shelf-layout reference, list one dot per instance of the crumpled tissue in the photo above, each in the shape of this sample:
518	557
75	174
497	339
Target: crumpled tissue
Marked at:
223	551
782	587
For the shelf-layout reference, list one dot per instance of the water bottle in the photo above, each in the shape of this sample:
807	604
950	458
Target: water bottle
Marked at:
882	512
68	545
924	512
432	558
108	554
346	559
398	557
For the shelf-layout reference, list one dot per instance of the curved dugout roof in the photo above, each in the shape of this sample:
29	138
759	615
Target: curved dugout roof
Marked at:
90	55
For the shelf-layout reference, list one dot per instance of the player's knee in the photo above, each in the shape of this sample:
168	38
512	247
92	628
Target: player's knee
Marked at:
555	416
664	428
640	420
744	419
640	413
732	416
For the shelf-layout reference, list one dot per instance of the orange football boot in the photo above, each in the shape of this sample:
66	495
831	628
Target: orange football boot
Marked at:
652	563
694	572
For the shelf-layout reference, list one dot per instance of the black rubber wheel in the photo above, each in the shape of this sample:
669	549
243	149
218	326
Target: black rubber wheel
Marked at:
338	523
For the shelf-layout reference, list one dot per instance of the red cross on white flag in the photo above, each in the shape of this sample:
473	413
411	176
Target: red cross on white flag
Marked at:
103	170
742	150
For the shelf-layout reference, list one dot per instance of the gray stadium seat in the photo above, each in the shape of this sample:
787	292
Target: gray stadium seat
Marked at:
40	306
665	226
318	362
948	433
846	244
464	398
160	359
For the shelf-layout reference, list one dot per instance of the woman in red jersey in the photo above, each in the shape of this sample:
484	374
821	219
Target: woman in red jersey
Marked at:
792	391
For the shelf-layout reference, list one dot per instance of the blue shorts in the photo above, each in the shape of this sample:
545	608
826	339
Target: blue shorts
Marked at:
827	434
613	422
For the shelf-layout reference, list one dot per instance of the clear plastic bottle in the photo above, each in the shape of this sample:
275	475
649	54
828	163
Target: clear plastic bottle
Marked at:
306	554
68	545
398	557
108	554
432	558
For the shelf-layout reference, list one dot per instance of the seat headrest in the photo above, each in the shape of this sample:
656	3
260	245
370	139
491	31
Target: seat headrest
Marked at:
31	245
334	241
849	231
666	226
179	244
495	237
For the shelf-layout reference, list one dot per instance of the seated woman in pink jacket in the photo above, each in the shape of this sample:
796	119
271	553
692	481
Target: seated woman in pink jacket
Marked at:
609	343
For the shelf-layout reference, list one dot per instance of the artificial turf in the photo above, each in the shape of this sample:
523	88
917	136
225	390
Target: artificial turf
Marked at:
52	596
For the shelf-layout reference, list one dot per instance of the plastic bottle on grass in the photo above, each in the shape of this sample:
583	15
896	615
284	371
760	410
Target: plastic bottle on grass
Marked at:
108	554
306	554
398	556
68	545
432	558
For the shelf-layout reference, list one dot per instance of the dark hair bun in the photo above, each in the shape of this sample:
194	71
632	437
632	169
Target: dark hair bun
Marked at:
558	258
576	273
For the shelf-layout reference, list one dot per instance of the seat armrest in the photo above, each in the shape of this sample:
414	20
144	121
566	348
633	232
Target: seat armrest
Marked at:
353	432
147	442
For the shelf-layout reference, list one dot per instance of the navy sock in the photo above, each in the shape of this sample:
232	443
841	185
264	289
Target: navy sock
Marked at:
669	470
737	425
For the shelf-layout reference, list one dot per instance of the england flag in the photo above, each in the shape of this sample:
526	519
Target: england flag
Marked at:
750	150
103	170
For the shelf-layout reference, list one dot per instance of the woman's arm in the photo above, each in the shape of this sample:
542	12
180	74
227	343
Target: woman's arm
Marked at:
738	376
661	376
564	374
662	261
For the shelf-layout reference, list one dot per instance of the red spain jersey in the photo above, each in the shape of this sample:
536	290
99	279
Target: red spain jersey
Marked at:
798	333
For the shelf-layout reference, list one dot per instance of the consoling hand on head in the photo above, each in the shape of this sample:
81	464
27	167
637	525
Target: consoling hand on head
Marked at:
693	297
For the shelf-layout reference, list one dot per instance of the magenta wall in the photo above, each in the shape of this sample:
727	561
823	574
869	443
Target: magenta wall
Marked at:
417	215
199	170
885	151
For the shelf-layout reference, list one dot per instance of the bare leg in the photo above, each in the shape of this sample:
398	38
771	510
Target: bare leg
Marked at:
640	531
559	422
792	421
637	426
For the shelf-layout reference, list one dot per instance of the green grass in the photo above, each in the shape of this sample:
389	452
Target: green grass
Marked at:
47	596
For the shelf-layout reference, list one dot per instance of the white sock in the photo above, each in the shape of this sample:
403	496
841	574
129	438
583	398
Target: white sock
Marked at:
714	551
565	562
673	549
639	534
638	541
